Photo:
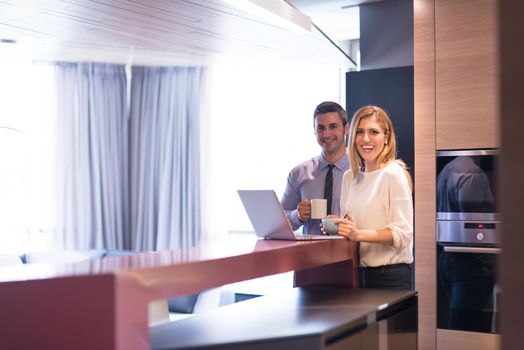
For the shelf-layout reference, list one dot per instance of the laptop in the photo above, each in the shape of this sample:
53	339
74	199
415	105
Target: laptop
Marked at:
269	218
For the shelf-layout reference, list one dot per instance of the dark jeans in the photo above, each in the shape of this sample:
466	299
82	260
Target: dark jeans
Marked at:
397	276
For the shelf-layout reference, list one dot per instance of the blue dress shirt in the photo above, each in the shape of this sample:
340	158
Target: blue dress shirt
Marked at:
306	181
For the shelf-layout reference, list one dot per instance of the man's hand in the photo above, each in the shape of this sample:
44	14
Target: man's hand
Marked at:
304	210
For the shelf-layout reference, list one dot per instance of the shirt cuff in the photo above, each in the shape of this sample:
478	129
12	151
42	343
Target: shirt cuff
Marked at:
294	220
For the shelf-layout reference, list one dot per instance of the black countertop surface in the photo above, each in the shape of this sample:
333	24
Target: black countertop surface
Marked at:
310	312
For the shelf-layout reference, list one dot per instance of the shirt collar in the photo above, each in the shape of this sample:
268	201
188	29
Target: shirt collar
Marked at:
341	163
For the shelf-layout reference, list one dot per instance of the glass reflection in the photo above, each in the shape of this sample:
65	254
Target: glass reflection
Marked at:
464	187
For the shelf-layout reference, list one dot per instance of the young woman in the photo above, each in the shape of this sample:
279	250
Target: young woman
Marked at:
376	202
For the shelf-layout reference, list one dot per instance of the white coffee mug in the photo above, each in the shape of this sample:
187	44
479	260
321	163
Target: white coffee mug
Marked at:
318	208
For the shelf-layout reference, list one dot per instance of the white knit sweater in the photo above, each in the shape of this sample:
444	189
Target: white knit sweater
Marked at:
377	200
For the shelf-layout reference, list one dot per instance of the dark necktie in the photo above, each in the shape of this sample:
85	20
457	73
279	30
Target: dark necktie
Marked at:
328	187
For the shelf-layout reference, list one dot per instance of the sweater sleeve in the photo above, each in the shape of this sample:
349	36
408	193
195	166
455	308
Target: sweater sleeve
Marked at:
400	220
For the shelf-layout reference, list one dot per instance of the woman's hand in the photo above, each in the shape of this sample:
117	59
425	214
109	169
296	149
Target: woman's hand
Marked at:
347	227
330	216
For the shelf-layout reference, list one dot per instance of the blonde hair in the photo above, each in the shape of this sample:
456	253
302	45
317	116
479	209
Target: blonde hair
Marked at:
388	154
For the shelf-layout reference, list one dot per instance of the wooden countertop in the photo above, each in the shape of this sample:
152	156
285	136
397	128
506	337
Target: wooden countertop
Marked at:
102	303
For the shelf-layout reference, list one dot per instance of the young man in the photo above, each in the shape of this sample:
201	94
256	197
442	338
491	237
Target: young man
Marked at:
308	180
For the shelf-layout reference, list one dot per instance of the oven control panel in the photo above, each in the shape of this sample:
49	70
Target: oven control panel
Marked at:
470	233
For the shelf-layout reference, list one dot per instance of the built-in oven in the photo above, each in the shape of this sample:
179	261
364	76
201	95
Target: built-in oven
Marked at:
468	234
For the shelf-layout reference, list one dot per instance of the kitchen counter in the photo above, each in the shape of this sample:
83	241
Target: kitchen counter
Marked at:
308	318
102	304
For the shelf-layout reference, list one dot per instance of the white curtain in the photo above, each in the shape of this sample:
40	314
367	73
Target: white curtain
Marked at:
92	139
164	157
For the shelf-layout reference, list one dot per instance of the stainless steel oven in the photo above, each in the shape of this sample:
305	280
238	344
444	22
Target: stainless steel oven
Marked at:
468	235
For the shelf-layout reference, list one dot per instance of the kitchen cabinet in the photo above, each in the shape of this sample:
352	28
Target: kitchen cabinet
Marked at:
466	79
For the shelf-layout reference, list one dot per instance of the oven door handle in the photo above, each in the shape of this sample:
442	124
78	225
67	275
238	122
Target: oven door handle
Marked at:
482	250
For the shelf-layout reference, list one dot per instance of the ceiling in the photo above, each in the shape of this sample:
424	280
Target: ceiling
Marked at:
164	32
340	19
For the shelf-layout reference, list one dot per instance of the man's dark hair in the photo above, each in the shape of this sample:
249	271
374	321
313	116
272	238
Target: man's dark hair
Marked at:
328	107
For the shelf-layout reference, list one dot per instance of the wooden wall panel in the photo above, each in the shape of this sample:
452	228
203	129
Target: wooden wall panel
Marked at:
512	167
425	206
453	340
466	74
